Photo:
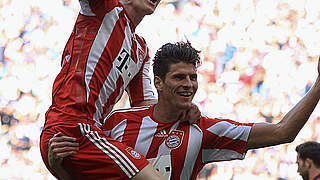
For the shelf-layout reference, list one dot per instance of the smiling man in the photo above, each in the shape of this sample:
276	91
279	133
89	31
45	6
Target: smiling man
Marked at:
179	150
103	58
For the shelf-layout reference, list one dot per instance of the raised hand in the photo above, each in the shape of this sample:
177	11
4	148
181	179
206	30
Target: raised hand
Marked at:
192	115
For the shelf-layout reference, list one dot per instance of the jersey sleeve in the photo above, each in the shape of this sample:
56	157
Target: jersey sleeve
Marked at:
224	139
140	87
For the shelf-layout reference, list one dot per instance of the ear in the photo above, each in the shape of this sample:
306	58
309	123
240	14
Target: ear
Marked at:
158	83
309	162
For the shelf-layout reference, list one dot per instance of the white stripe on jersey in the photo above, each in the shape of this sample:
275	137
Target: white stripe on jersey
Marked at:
209	155
132	109
99	43
118	131
113	152
105	92
230	130
146	76
192	153
147	130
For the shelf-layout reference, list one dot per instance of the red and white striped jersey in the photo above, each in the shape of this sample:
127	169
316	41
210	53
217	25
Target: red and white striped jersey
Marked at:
178	150
102	58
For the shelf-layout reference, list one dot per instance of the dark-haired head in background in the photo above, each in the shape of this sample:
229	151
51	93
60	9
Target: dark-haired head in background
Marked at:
308	160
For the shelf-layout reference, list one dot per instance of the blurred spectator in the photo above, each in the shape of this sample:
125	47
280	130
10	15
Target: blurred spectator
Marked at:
258	60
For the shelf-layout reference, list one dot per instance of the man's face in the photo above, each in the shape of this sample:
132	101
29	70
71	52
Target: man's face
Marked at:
180	86
303	169
146	6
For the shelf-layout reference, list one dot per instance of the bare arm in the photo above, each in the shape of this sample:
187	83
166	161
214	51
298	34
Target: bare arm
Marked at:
268	134
145	103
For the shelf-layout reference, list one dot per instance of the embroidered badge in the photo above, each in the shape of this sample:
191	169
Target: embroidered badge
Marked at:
133	153
174	139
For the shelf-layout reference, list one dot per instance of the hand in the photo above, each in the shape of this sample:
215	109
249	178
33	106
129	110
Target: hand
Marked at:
192	115
59	148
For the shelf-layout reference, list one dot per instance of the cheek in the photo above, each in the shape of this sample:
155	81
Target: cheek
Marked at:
195	87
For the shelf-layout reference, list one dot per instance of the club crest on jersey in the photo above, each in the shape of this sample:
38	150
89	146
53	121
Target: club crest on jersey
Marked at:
133	153
174	140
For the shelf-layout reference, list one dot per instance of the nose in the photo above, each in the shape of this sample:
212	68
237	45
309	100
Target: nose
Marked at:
187	82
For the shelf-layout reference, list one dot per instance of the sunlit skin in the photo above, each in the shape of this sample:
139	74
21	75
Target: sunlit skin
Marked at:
176	91
137	9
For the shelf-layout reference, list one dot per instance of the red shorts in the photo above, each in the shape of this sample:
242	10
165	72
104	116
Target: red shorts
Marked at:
99	156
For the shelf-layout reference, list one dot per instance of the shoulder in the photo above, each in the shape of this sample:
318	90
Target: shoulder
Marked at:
130	111
220	123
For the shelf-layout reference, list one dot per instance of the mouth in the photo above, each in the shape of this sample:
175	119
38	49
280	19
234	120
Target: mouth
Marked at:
153	1
185	94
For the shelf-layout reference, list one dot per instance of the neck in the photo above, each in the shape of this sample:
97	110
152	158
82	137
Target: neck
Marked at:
314	172
134	16
165	113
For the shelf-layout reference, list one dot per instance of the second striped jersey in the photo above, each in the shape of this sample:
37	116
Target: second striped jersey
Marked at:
178	150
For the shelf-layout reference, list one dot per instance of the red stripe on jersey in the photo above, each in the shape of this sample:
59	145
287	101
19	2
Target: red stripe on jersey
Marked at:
228	143
156	142
178	155
131	133
136	92
133	48
112	98
104	64
218	141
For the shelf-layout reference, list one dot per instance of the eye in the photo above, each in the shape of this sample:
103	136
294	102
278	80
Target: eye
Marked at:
179	77
193	77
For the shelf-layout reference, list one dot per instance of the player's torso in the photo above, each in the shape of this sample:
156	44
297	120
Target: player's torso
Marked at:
177	149
172	148
100	59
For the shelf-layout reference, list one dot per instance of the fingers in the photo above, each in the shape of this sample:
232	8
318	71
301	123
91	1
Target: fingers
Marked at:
184	115
62	146
59	138
194	114
62	150
60	154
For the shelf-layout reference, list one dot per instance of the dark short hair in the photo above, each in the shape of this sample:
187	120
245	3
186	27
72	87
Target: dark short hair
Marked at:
172	53
309	149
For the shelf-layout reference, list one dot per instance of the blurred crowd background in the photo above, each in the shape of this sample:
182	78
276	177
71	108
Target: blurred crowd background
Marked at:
259	59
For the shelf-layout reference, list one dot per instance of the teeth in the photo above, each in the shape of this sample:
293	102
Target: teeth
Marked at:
186	94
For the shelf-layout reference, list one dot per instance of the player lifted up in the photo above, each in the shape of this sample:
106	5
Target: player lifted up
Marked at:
103	58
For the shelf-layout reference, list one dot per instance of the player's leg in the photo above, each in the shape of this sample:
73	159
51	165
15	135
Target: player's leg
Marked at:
100	157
